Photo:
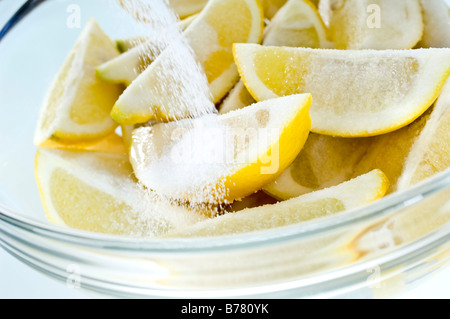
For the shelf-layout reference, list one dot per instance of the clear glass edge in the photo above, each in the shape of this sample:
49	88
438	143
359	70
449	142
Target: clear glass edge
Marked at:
325	285
383	206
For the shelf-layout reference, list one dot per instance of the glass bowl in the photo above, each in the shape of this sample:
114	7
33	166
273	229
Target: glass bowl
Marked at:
377	251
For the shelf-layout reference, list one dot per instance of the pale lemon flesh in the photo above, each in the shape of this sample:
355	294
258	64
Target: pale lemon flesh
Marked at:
221	158
357	93
374	24
156	95
407	156
96	191
346	196
78	104
296	24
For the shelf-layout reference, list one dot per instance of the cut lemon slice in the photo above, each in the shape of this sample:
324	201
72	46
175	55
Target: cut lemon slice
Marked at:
125	44
127	132
95	191
407	156
140	52
218	159
415	152
271	7
436	17
127	66
388	152
373	24
430	152
323	162
186	8
155	94
78	104
356	92
111	143
346	196
238	98
296	24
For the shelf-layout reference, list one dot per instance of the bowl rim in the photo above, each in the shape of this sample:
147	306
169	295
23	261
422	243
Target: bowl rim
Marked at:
381	207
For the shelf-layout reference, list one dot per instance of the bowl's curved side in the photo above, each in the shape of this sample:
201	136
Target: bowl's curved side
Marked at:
26	8
377	257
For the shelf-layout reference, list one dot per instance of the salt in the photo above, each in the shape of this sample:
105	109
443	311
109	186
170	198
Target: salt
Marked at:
180	79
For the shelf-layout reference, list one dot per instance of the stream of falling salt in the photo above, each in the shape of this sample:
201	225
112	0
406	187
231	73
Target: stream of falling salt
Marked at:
183	80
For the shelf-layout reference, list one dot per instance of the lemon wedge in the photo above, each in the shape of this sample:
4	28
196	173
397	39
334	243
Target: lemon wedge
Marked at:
407	156
436	18
373	24
271	7
296	24
416	152
112	143
430	153
125	44
356	92
187	8
127	66
139	52
221	158
237	98
395	147
351	194
323	162
78	104
96	191
154	94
